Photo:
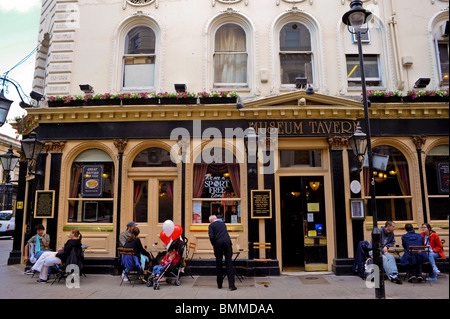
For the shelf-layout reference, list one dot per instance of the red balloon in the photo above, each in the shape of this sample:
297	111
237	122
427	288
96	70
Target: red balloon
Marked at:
164	237
177	231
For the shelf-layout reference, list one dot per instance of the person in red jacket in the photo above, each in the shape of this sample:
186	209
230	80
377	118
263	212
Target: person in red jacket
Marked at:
430	238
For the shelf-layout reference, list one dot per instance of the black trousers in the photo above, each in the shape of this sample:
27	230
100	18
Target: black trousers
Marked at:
222	249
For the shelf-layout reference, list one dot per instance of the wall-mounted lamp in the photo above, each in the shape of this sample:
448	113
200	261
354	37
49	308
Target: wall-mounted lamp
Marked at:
36	96
86	88
9	161
421	83
301	83
31	148
180	87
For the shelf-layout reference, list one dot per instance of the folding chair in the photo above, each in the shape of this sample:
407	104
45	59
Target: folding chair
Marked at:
72	266
188	259
131	264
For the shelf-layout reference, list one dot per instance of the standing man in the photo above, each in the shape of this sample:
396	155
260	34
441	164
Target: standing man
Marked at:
221	241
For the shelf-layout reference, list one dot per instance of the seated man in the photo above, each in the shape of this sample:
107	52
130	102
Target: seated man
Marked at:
40	243
388	240
414	261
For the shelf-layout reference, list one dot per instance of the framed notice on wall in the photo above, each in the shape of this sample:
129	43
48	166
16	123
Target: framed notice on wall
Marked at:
44	204
357	208
261	203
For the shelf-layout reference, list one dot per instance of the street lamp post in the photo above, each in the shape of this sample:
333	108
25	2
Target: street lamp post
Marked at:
356	17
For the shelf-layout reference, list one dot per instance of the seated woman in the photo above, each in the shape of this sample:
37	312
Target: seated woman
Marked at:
430	238
49	258
139	251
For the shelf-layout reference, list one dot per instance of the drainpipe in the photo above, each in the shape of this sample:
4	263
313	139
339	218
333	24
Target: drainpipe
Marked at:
395	47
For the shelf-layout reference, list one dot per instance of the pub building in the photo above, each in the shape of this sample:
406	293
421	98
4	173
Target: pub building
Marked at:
302	190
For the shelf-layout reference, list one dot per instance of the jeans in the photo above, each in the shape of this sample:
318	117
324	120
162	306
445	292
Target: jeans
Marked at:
432	256
389	265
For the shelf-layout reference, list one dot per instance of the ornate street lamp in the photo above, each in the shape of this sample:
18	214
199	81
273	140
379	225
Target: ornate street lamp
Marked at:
356	17
251	147
5	105
32	147
358	142
9	161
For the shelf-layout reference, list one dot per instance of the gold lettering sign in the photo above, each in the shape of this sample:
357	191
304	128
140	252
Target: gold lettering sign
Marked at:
261	203
44	204
306	127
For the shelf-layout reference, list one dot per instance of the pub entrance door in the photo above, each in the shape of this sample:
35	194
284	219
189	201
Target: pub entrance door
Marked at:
303	229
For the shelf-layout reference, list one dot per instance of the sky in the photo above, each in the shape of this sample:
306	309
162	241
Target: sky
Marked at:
19	22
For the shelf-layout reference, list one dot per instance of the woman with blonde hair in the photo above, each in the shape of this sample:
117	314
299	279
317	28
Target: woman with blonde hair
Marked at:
50	258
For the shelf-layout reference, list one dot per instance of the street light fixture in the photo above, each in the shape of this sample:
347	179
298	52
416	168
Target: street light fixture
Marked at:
356	17
9	161
358	142
32	147
251	146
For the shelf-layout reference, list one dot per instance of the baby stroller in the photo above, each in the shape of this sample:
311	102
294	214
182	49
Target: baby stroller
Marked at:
170	267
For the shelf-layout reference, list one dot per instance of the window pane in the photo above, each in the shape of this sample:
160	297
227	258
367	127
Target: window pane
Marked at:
295	66
438	208
371	70
140	201
392	209
139	72
307	158
230	38
443	57
165	207
90	211
230	68
140	40
437	170
153	157
295	37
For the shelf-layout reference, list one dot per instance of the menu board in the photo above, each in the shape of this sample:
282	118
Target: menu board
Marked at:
44	204
92	181
261	203
443	177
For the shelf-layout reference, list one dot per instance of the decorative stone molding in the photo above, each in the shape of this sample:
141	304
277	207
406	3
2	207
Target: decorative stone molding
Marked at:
120	144
294	1
228	2
338	142
54	147
139	3
419	141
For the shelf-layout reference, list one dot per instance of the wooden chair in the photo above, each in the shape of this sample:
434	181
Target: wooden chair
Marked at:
128	253
258	246
190	256
442	260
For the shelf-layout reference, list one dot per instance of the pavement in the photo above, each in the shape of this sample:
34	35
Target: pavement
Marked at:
201	290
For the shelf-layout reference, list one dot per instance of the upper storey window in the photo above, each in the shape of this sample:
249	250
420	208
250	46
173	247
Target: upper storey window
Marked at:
230	56
295	53
139	58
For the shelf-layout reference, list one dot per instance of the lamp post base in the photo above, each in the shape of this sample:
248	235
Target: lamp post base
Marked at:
378	261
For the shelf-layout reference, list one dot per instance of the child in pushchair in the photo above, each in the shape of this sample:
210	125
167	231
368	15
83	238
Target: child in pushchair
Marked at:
170	267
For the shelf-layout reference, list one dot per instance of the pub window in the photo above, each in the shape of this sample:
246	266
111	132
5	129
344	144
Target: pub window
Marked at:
371	69
217	189
301	158
139	58
392	185
437	175
91	188
296	57
230	56
153	157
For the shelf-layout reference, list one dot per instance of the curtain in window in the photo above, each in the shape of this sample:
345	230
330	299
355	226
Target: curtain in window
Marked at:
402	177
233	170
199	179
76	174
230	58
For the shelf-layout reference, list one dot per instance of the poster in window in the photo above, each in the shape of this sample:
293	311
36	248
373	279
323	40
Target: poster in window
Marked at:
92	181
443	179
357	208
44	204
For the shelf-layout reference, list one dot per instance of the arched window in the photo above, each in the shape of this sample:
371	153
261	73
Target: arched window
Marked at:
437	172
139	58
230	56
91	189
392	185
217	188
153	157
296	57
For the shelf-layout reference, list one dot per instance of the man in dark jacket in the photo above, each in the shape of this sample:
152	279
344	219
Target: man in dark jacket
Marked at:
413	261
221	241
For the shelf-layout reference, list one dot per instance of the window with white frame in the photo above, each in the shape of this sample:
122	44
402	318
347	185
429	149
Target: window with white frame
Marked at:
230	56
296	57
371	70
443	50
139	58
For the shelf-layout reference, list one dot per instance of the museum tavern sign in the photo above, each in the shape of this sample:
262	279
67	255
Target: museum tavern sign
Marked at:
306	127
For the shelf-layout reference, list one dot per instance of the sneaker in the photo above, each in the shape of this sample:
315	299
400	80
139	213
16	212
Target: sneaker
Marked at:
436	270
420	279
396	280
42	281
30	272
412	279
431	278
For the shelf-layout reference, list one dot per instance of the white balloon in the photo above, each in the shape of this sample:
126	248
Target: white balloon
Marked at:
168	227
